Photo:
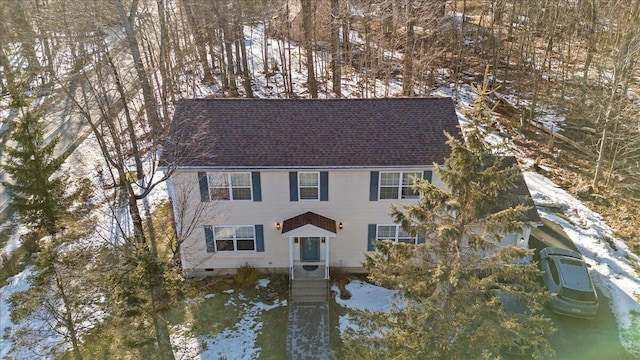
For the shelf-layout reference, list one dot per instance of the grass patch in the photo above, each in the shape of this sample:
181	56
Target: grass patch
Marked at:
211	316
335	312
273	336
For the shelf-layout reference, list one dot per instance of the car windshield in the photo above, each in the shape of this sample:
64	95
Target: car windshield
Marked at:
572	262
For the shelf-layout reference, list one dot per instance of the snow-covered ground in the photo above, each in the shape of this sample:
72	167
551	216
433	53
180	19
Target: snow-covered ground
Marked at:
14	284
610	259
366	297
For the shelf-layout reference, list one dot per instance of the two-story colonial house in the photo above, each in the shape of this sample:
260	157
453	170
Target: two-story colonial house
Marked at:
284	185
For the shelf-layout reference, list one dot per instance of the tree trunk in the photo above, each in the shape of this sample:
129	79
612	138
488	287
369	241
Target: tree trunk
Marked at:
242	54
591	38
198	29
603	137
68	318
336	59
307	18
164	61
407	74
128	22
227	41
600	160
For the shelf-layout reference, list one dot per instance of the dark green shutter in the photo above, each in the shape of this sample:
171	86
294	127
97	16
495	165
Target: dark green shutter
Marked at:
211	242
371	237
373	186
259	238
204	186
324	186
293	186
255	182
427	175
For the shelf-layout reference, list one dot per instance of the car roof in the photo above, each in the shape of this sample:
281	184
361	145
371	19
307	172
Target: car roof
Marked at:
573	272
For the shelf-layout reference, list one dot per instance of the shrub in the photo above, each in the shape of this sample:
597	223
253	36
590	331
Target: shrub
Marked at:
246	275
341	279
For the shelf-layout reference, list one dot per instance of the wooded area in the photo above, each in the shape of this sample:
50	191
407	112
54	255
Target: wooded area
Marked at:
123	65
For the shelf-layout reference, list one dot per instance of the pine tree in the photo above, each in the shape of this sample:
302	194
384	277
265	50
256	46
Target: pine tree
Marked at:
455	282
40	197
37	192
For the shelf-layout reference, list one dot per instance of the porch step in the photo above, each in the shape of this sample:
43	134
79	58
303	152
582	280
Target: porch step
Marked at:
309	290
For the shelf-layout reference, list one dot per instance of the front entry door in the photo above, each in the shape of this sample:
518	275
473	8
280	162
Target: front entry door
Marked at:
310	248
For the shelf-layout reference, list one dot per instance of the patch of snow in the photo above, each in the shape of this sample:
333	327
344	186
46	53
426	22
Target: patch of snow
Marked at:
185	346
16	284
550	120
263	282
366	297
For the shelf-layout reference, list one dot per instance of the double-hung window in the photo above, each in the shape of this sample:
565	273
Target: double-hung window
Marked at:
309	185
232	186
394	233
235	238
398	185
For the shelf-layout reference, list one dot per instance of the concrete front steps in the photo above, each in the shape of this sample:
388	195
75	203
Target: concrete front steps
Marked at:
309	290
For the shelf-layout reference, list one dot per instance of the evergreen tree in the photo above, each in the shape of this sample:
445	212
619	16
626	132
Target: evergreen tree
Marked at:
455	284
37	192
57	300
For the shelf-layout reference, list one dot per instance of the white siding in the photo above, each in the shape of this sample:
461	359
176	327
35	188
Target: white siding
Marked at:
348	203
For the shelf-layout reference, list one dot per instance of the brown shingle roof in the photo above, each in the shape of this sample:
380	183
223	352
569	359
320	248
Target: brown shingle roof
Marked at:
309	218
310	133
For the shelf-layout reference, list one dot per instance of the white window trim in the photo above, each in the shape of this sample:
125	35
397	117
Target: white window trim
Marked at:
396	236
235	245
230	187
400	186
308	187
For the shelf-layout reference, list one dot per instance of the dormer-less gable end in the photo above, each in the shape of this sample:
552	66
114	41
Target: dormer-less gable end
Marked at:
261	133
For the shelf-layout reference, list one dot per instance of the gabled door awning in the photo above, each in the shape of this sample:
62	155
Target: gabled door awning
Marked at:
309	224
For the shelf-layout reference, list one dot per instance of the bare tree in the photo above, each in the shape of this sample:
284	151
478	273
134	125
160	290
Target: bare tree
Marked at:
625	42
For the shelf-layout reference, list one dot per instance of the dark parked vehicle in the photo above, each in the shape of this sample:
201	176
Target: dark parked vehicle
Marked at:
567	277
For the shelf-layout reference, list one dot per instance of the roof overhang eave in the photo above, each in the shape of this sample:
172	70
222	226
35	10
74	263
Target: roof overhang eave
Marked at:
309	230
